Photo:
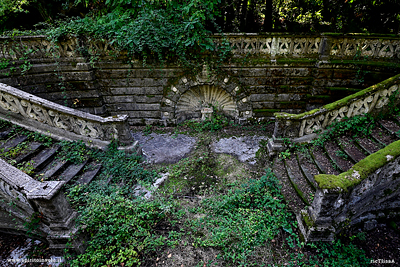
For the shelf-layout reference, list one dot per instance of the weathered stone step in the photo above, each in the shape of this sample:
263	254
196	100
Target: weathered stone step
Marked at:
89	174
391	126
297	180
52	169
382	136
13	142
290	195
351	149
30	151
368	144
308	168
322	162
71	171
44	157
336	155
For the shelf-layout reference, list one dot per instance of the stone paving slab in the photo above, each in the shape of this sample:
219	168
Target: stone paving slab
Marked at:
165	148
244	147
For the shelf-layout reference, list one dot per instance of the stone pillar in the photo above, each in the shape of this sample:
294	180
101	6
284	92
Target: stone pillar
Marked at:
57	214
325	48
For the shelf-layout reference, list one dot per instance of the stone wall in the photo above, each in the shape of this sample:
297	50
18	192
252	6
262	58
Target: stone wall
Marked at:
275	73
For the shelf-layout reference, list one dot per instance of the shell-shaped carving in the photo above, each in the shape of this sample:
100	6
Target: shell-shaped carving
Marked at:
204	96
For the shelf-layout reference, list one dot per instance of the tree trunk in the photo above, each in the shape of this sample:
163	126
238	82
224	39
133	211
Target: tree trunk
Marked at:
268	16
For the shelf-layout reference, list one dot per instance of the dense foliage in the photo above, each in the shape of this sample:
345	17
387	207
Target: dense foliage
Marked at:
380	16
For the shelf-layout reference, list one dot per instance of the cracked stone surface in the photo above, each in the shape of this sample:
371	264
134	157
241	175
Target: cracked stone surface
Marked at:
164	148
244	147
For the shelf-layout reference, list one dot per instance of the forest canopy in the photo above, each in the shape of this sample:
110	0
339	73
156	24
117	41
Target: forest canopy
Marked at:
374	16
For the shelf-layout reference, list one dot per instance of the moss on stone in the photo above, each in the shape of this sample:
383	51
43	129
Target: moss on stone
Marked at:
266	110
343	89
361	170
318	96
372	63
309	222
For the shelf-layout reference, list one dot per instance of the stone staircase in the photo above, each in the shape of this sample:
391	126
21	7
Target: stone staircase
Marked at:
42	161
297	169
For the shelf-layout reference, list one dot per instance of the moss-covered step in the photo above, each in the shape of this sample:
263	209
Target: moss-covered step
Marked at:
360	170
299	183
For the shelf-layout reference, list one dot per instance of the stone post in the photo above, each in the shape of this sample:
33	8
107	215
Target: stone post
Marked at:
325	48
57	214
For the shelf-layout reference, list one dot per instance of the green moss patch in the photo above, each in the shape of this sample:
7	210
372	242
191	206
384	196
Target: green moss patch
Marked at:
361	170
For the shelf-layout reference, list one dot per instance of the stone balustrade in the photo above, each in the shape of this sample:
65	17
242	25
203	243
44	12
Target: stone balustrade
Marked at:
324	46
60	122
39	208
365	194
303	127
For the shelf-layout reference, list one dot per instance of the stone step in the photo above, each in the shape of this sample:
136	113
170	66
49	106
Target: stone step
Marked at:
291	197
90	173
32	149
351	149
71	171
390	126
53	169
382	136
308	167
337	156
13	142
299	183
368	144
44	157
322	162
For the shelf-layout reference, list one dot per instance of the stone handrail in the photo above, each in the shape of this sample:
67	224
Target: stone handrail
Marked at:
303	127
23	199
365	194
323	46
60	122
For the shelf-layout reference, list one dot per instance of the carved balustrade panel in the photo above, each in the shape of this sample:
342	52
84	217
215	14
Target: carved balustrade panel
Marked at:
377	48
58	119
376	100
35	48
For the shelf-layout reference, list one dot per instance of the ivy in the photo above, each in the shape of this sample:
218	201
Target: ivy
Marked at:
165	31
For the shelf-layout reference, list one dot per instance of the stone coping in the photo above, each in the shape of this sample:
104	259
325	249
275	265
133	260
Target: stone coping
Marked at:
360	171
23	183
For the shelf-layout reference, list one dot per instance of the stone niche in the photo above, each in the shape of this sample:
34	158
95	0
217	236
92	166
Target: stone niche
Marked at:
199	101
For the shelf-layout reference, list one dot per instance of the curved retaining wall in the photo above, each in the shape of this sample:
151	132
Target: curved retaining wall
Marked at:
275	72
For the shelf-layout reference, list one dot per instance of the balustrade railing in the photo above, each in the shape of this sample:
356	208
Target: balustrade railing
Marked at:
324	46
60	122
303	127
